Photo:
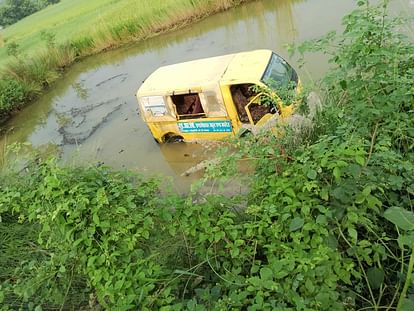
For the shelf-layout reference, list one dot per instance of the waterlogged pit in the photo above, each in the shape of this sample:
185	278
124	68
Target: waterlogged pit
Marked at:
91	114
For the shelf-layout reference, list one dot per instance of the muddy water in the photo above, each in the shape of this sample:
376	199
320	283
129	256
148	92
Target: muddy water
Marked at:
91	115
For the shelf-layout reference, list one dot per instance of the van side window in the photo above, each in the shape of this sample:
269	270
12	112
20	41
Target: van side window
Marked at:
213	103
188	106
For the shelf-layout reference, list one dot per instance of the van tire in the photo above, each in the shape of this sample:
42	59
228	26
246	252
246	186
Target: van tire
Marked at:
172	138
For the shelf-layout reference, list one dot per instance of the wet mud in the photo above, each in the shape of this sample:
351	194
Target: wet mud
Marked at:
78	124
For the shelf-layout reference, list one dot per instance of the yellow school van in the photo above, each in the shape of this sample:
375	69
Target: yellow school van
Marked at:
212	98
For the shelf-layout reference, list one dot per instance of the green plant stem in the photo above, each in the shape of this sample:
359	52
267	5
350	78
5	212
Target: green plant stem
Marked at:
407	280
393	298
216	273
382	242
360	265
68	289
371	148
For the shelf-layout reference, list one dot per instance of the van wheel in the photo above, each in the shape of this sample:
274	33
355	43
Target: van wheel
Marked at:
173	138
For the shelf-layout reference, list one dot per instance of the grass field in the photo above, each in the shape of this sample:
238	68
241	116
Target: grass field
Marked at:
77	28
76	18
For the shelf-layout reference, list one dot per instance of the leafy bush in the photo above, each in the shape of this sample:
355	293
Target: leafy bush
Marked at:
14	10
12	96
94	226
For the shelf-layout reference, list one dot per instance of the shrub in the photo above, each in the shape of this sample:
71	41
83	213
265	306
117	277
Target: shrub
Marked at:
12	96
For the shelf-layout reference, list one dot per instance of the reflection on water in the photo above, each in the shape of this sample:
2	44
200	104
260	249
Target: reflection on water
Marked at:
91	113
285	22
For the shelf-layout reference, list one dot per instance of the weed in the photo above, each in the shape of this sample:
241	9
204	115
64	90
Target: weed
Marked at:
49	38
13	49
12	96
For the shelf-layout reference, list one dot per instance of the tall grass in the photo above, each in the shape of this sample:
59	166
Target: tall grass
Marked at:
116	23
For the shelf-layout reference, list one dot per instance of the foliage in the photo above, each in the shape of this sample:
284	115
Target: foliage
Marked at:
360	165
12	49
14	10
94	227
49	38
12	96
327	224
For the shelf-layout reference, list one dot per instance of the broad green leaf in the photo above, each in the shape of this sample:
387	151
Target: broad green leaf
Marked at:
290	192
324	194
309	286
122	210
375	277
255	281
400	217
323	298
296	224
119	284
353	233
366	191
311	174
191	305
337	173
407	305
360	198
340	194
234	252
406	239
266	273
360	160
95	218
331	242
321	219
105	224
78	241
373	201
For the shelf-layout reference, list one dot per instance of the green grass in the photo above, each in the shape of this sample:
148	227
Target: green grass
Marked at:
74	18
67	19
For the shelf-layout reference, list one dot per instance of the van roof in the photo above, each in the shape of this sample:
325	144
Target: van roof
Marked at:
232	68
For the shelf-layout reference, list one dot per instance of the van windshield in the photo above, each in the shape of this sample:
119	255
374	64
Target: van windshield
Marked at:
280	72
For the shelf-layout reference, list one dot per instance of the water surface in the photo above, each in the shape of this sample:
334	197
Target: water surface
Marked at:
91	116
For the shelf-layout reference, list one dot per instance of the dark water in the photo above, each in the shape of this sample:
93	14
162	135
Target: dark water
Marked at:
91	114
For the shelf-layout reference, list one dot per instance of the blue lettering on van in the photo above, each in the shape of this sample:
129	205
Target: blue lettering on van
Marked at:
205	127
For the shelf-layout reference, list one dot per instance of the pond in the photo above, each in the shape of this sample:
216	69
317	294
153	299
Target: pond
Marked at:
91	115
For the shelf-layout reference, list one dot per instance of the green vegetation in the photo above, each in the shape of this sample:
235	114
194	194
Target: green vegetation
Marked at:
14	10
37	49
328	223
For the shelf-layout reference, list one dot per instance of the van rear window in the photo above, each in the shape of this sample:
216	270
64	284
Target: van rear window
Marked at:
154	104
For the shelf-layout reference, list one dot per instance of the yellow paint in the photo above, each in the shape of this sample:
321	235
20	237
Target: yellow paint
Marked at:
210	78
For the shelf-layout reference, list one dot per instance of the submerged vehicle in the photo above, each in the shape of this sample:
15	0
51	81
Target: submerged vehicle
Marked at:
212	98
